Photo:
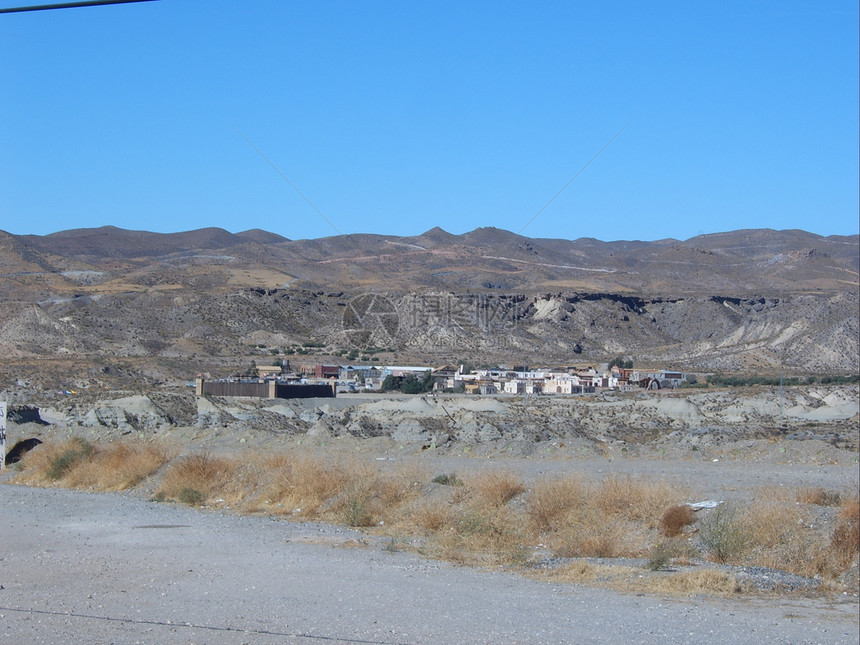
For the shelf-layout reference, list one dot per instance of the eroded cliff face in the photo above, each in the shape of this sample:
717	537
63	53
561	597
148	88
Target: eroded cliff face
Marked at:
690	420
815	333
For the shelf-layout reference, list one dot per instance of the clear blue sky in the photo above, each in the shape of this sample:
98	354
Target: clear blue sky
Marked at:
395	117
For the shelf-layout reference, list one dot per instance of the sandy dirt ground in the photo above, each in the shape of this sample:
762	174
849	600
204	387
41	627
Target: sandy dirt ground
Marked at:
80	567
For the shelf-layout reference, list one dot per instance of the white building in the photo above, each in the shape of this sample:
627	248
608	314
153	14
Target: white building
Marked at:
514	386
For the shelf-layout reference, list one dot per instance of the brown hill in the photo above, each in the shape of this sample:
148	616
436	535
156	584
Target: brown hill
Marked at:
111	242
739	262
750	299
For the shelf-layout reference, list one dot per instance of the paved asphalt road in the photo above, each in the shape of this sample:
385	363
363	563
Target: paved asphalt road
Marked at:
83	567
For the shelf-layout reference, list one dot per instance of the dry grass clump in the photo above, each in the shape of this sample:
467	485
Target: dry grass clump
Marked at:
77	463
675	518
778	535
481	536
614	518
552	500
636	498
845	539
475	523
494	487
489	520
299	483
430	516
194	479
771	523
576	571
119	466
51	462
700	581
348	491
703	581
372	498
724	535
593	535
818	496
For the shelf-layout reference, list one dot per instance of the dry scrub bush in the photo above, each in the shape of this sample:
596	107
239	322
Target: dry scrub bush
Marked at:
298	482
770	523
845	540
35	465
704	581
551	500
675	518
358	506
494	487
371	497
723	533
447	479
119	466
661	555
635	498
431	515
781	536
485	535
580	571
76	463
341	490
193	479
476	525
818	496
593	534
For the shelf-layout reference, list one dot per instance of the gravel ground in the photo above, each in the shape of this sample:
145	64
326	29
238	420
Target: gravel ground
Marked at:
725	478
112	568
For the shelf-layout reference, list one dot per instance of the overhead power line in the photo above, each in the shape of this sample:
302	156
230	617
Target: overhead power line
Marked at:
68	5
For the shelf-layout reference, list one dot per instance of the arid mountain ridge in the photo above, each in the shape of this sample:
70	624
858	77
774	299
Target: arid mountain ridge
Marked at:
761	262
752	299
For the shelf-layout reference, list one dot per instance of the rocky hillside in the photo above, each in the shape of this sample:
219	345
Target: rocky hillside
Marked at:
756	300
634	422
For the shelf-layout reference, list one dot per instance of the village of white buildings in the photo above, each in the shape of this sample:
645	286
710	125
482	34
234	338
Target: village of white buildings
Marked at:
460	379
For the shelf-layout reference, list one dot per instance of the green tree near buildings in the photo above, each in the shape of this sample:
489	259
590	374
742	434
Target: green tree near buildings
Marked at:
620	361
413	385
390	384
409	384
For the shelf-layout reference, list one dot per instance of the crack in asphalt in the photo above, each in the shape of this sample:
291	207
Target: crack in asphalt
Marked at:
161	623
